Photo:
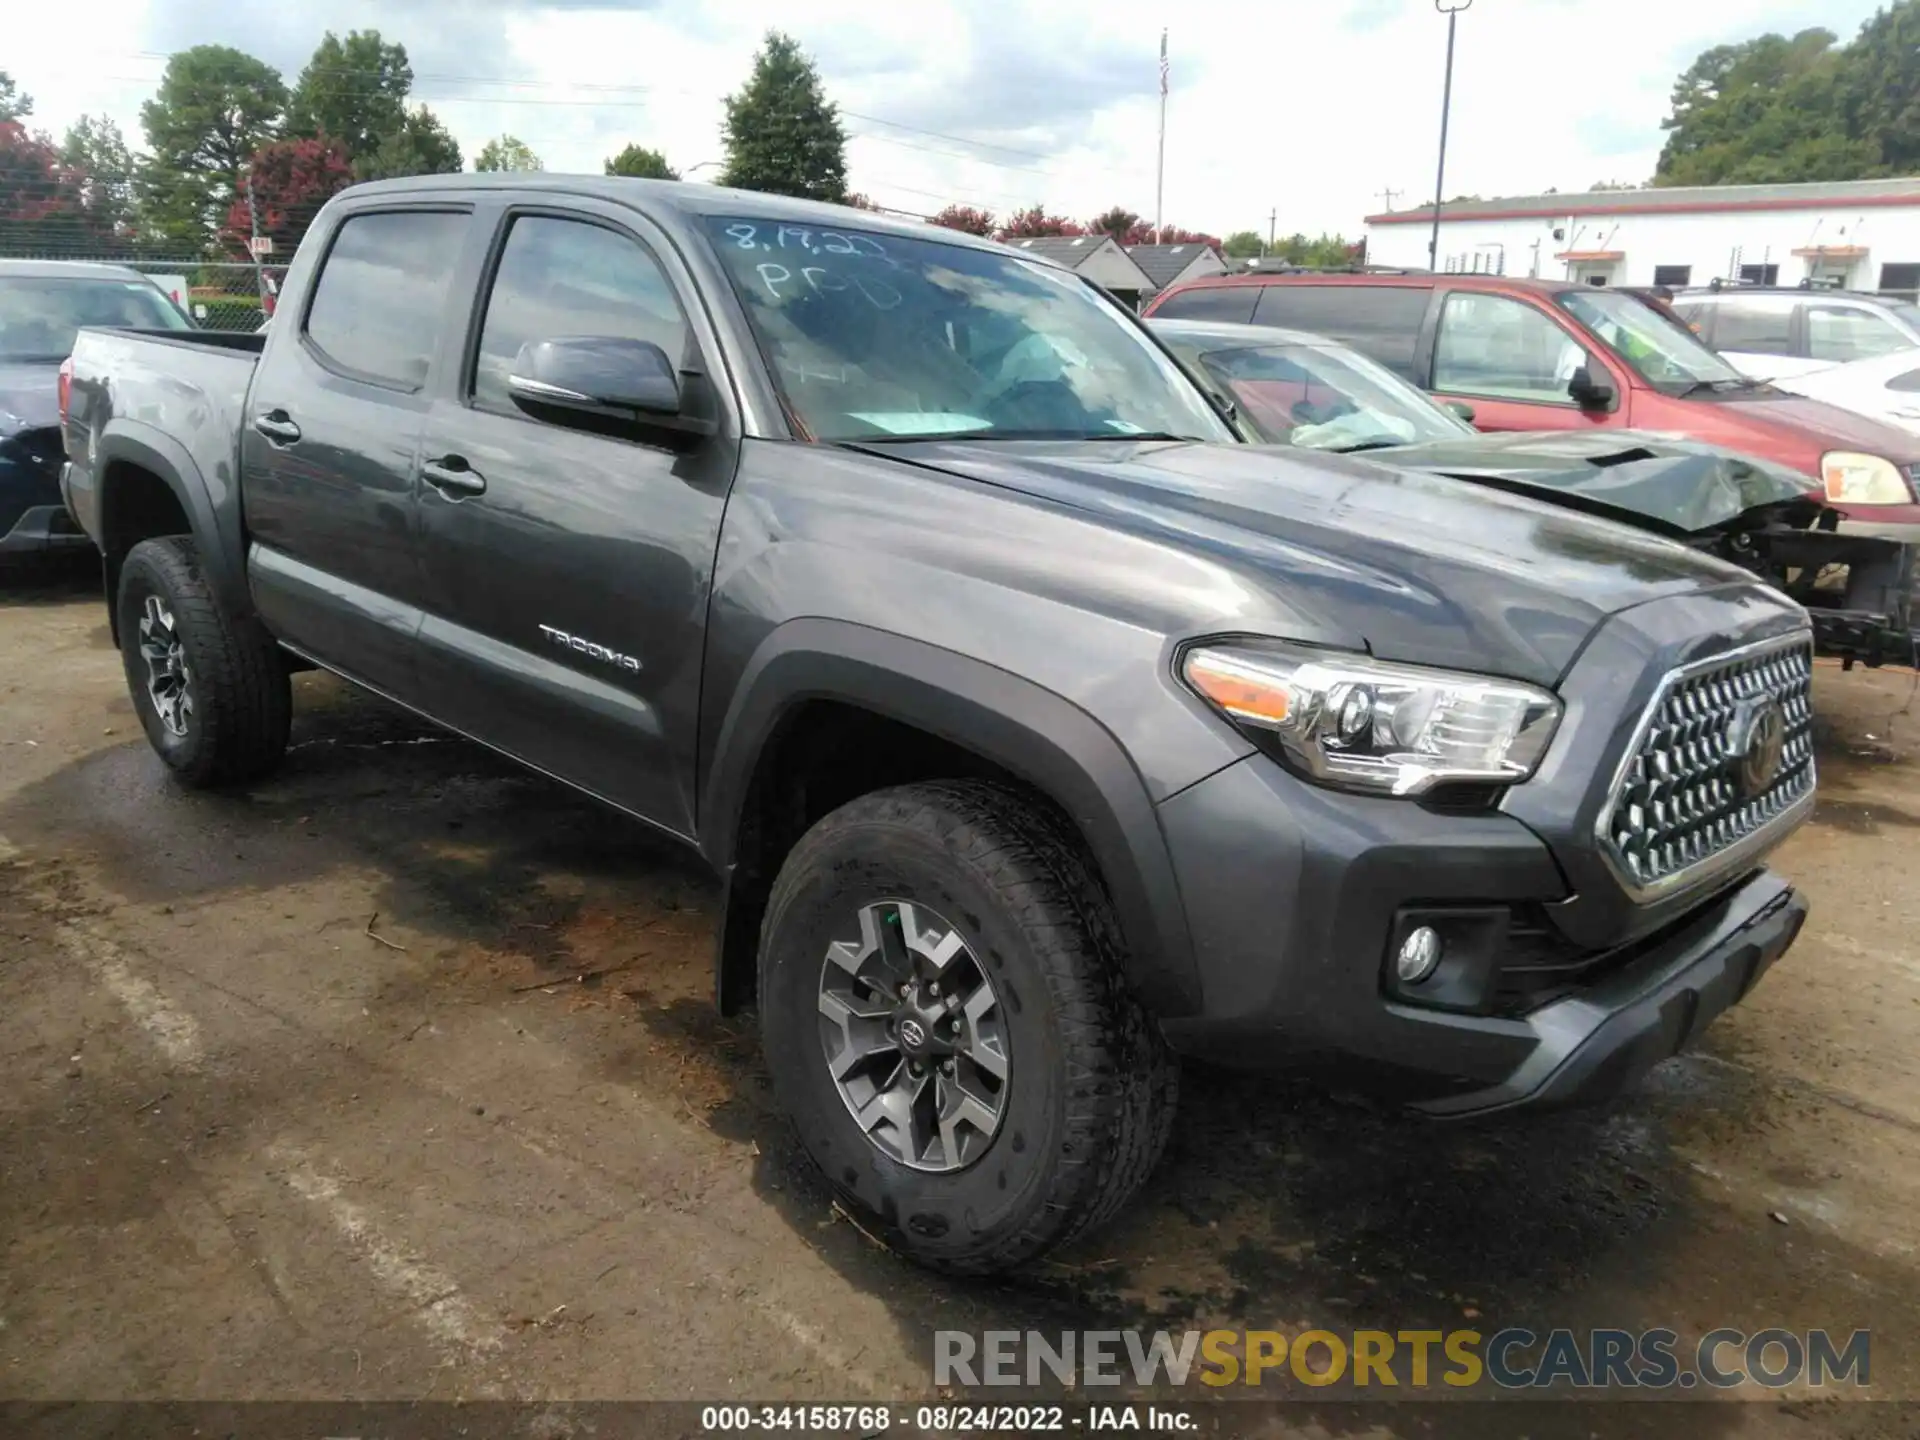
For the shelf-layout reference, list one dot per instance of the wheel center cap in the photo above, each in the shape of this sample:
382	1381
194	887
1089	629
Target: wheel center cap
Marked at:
913	1034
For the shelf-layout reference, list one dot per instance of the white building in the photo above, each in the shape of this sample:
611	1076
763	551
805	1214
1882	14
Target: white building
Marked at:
1861	234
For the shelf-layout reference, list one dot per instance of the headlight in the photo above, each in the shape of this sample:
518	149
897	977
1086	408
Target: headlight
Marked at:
1863	479
1362	724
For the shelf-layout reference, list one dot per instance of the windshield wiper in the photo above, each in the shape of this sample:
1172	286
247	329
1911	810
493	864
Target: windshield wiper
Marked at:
1140	435
1360	445
1012	435
1719	387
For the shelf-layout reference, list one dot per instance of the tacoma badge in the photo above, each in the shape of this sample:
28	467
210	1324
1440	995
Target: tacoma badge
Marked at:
591	650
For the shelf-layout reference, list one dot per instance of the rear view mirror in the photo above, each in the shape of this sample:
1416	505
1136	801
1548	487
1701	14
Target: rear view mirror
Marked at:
1588	392
595	373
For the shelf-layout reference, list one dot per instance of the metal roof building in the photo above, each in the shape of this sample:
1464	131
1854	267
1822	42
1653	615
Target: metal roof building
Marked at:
1860	234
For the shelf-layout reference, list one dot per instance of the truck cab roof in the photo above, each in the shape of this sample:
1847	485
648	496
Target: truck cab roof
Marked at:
687	198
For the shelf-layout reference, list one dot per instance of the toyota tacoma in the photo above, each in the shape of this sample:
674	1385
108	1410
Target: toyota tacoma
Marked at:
1039	730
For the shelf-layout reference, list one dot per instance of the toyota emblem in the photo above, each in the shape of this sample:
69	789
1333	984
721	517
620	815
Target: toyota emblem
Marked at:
912	1034
1758	743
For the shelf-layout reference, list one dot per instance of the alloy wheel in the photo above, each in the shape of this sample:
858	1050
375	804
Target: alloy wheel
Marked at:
169	682
911	1030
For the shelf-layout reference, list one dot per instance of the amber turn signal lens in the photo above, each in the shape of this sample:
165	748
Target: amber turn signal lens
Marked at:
1243	692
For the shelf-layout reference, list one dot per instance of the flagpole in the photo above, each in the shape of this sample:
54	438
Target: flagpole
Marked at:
1160	173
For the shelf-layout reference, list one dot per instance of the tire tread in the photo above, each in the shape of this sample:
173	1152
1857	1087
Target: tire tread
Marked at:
246	698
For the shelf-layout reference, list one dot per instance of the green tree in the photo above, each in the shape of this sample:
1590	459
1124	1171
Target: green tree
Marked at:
1122	224
353	91
782	133
1243	245
640	163
1324	252
1880	86
95	154
420	146
14	105
1770	110
215	107
507	152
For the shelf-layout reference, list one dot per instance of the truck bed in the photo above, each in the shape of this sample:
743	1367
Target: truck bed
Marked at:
170	389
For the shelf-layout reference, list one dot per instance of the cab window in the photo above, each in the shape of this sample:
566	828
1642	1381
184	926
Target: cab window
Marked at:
1762	325
1503	349
1839	333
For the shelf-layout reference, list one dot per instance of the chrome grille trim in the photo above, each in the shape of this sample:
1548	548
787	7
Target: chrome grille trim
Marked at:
1675	817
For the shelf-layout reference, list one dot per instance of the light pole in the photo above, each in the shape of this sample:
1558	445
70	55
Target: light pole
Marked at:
1452	12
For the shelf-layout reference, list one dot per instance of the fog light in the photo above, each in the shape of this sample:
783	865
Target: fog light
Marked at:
1419	954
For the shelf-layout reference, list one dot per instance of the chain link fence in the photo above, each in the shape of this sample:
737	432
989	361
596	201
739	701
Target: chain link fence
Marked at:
219	294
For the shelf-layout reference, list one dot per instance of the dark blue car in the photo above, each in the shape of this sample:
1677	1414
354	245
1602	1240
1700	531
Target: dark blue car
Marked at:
43	304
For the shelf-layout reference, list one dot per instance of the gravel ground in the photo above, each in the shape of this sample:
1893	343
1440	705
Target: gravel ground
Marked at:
397	1077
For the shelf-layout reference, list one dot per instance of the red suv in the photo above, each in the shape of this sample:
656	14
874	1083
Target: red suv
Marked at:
1551	355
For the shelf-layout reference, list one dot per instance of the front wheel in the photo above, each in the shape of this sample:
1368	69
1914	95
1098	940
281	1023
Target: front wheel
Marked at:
211	689
945	1019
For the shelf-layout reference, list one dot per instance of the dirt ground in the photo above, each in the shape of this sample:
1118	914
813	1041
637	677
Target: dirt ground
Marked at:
398	1077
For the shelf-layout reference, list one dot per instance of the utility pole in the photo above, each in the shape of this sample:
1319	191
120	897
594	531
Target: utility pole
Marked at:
1160	174
1273	222
1451	9
1390	195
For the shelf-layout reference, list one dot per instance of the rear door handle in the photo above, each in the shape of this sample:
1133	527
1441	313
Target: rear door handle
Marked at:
453	477
277	426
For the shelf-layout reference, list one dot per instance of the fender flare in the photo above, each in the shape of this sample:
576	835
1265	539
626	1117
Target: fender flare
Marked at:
215	534
1023	728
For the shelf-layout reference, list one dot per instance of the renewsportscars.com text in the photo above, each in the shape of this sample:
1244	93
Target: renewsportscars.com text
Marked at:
1514	1358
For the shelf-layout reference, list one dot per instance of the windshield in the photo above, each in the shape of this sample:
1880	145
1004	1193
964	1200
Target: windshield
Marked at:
874	337
1664	353
39	317
1321	398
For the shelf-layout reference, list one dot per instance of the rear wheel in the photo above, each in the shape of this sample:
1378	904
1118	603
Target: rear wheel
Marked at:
945	1020
211	689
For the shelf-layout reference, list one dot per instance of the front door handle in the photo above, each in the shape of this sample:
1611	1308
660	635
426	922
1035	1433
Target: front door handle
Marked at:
453	477
277	426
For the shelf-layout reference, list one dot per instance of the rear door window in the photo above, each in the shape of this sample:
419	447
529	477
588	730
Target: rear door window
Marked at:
1380	321
1504	349
1232	303
378	304
1761	325
1851	332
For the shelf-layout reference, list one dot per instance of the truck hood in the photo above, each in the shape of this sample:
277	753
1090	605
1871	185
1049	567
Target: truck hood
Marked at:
1415	566
1765	414
1666	483
29	397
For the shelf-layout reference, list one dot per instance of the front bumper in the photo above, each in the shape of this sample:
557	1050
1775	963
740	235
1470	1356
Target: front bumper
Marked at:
1594	1045
1557	986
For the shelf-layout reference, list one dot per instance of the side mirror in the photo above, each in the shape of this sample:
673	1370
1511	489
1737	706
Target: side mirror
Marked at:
1589	393
600	375
1460	409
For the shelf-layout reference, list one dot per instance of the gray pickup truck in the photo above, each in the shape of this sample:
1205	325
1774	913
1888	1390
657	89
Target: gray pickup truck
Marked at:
1039	731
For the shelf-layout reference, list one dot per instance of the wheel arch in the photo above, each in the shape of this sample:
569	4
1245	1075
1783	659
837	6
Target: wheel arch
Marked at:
976	719
141	470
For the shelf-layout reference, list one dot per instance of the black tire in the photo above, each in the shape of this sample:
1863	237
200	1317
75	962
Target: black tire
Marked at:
1092	1086
242	700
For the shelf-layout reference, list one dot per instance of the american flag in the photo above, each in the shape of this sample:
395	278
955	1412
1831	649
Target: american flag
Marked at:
1163	62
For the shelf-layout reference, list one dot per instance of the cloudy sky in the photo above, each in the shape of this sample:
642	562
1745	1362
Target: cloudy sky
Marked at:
1310	109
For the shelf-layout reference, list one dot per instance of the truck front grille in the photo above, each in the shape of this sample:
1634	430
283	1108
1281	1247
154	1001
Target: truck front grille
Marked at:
1723	758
